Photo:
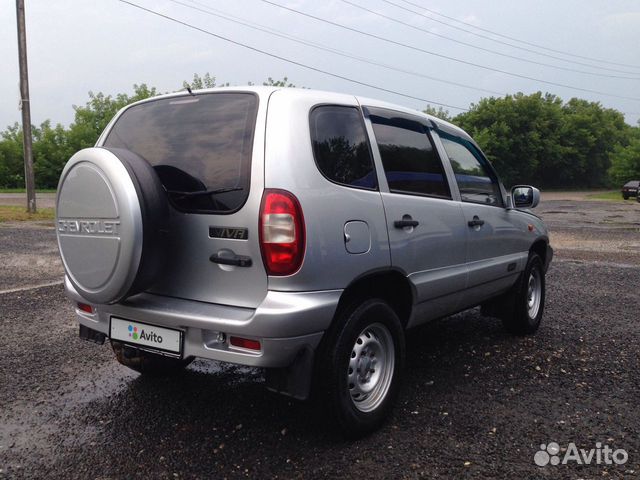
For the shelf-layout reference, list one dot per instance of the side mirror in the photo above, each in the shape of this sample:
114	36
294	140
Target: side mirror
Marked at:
525	196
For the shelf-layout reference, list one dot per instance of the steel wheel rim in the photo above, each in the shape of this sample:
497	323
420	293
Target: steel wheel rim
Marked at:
371	367
534	294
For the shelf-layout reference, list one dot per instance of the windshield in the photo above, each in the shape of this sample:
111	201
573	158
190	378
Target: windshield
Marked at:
195	143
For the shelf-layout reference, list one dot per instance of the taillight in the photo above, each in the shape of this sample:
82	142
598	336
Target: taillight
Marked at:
281	232
244	343
85	307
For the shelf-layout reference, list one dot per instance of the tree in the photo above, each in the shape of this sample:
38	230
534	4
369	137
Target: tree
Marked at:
200	82
539	139
11	158
625	160
278	83
589	135
91	119
438	112
518	133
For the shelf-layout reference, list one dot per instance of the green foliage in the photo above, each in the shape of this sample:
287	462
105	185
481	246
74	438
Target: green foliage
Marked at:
200	82
530	138
91	119
278	83
540	140
52	146
625	160
610	195
438	112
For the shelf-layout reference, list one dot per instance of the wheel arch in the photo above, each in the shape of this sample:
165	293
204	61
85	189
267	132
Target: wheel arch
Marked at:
540	248
389	285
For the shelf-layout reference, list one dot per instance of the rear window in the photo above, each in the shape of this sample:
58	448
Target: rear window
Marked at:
197	143
340	146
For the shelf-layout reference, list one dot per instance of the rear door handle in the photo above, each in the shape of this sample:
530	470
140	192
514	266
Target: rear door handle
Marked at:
406	223
236	260
476	222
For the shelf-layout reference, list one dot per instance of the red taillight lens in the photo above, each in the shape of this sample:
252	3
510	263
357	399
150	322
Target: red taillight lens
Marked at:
244	343
85	308
281	232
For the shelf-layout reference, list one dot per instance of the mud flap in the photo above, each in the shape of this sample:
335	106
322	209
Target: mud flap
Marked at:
294	380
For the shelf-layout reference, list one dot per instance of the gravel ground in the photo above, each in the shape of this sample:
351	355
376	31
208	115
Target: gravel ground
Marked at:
476	402
28	255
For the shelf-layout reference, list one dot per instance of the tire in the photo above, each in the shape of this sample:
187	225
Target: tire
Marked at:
522	316
361	365
147	363
626	197
112	224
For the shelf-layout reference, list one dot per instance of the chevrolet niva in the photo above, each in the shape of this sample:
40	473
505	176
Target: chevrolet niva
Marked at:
295	230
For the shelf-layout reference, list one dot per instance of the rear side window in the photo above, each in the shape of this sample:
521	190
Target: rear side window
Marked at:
410	161
196	144
340	146
476	181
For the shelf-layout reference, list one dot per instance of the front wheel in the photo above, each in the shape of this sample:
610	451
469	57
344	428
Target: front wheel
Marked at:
528	296
626	197
361	366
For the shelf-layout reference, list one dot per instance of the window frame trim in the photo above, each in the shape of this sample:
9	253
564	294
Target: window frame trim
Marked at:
358	108
429	130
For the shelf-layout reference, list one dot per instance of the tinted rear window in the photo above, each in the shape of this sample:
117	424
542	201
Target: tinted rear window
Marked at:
410	162
340	146
195	143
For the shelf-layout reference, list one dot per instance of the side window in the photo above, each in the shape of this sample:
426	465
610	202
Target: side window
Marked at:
476	182
340	146
410	161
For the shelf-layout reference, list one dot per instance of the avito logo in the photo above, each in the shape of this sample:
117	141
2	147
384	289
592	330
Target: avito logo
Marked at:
133	332
141	335
551	454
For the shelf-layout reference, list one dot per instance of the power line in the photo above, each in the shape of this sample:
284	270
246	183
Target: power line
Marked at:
513	38
478	47
262	28
454	59
288	60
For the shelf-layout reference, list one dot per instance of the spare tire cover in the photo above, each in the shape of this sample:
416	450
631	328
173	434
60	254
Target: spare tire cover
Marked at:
111	216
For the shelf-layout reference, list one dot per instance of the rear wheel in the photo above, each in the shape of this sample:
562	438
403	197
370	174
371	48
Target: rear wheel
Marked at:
361	366
147	363
625	196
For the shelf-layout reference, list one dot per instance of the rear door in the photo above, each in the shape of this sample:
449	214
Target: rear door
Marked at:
210	142
426	227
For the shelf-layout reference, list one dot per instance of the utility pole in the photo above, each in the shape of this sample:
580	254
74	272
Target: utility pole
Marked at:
29	178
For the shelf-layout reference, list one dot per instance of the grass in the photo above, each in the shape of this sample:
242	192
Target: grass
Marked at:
22	190
612	196
19	214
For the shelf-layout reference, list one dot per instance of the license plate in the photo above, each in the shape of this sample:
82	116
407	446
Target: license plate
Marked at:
147	336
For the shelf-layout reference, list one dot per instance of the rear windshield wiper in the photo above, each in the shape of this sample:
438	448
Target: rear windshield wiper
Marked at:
199	193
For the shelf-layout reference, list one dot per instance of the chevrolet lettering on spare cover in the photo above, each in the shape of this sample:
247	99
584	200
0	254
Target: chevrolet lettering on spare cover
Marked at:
89	227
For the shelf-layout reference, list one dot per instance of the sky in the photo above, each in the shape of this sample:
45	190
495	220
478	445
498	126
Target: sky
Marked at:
108	46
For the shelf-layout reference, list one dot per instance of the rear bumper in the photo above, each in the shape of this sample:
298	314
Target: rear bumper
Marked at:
285	323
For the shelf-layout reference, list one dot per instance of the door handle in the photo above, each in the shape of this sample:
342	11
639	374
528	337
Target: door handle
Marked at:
406	223
236	260
476	222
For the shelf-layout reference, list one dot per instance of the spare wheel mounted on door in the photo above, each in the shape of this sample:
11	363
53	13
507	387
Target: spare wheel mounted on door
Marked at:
111	223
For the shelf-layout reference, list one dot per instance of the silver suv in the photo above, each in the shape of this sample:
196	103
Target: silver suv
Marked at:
295	230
